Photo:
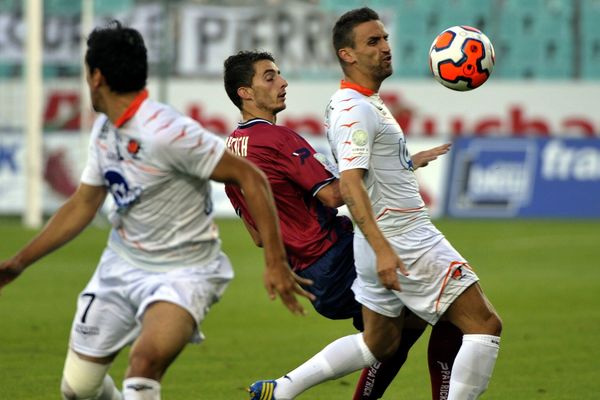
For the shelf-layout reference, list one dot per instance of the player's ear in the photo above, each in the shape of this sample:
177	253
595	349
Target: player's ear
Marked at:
245	93
96	78
346	55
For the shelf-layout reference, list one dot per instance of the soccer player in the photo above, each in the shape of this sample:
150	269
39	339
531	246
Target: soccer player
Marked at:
318	241
403	262
163	267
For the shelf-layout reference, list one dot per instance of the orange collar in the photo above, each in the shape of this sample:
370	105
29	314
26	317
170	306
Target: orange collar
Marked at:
360	89
132	108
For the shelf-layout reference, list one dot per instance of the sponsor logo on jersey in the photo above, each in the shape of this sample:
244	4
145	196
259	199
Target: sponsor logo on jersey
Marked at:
124	196
405	158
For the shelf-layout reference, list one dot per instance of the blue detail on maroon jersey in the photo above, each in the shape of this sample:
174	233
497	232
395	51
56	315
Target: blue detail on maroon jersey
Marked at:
302	153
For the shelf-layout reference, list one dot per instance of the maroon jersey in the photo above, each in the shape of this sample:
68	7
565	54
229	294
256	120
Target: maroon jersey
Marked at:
308	227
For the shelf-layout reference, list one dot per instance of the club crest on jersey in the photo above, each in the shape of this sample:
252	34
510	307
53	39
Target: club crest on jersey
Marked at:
359	143
457	274
124	196
133	147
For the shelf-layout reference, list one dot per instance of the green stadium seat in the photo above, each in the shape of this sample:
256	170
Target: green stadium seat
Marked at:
8	71
590	63
10	5
466	12
411	58
339	5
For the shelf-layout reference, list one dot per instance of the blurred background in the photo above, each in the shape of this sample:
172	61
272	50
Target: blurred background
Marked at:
526	144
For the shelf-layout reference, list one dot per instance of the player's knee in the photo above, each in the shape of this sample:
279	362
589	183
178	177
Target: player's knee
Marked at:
494	323
82	379
383	347
145	365
488	323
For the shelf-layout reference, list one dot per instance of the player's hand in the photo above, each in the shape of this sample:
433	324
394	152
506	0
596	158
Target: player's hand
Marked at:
282	281
388	265
9	270
423	158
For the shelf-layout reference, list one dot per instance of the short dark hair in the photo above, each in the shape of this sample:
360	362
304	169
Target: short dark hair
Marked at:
343	35
120	54
238	71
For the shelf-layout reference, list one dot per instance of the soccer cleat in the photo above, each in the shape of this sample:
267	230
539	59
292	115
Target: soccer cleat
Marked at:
262	390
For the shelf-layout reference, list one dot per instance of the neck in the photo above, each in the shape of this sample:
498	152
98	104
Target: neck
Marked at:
115	104
248	114
358	78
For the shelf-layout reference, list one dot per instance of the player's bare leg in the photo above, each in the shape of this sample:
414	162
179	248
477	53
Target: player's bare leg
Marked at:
166	329
382	334
481	325
375	379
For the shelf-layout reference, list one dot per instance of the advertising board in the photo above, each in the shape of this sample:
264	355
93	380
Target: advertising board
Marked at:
527	177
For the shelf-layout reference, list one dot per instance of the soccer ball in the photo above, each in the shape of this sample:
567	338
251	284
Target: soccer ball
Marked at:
461	58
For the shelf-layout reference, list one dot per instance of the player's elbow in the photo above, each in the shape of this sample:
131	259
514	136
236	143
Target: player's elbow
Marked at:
330	195
333	201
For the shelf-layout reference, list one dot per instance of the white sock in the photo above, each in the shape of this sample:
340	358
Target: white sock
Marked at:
138	388
473	366
339	358
109	390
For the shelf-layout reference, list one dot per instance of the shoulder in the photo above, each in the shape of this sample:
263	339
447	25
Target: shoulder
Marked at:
163	124
267	135
101	126
155	117
348	101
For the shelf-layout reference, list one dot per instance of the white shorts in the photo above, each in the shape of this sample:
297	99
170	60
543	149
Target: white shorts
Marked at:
438	275
111	307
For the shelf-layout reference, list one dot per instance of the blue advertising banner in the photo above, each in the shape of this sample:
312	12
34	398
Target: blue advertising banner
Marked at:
525	177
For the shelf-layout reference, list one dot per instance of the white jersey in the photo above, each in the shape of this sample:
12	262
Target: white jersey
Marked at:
363	134
156	163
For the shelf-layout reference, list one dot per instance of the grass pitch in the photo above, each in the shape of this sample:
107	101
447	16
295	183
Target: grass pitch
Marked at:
542	276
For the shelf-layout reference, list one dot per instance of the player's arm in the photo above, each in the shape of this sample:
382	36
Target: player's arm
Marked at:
234	198
253	233
278	277
357	199
67	223
421	159
330	194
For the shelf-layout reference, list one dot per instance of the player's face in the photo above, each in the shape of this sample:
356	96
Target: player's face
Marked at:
371	50
268	87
